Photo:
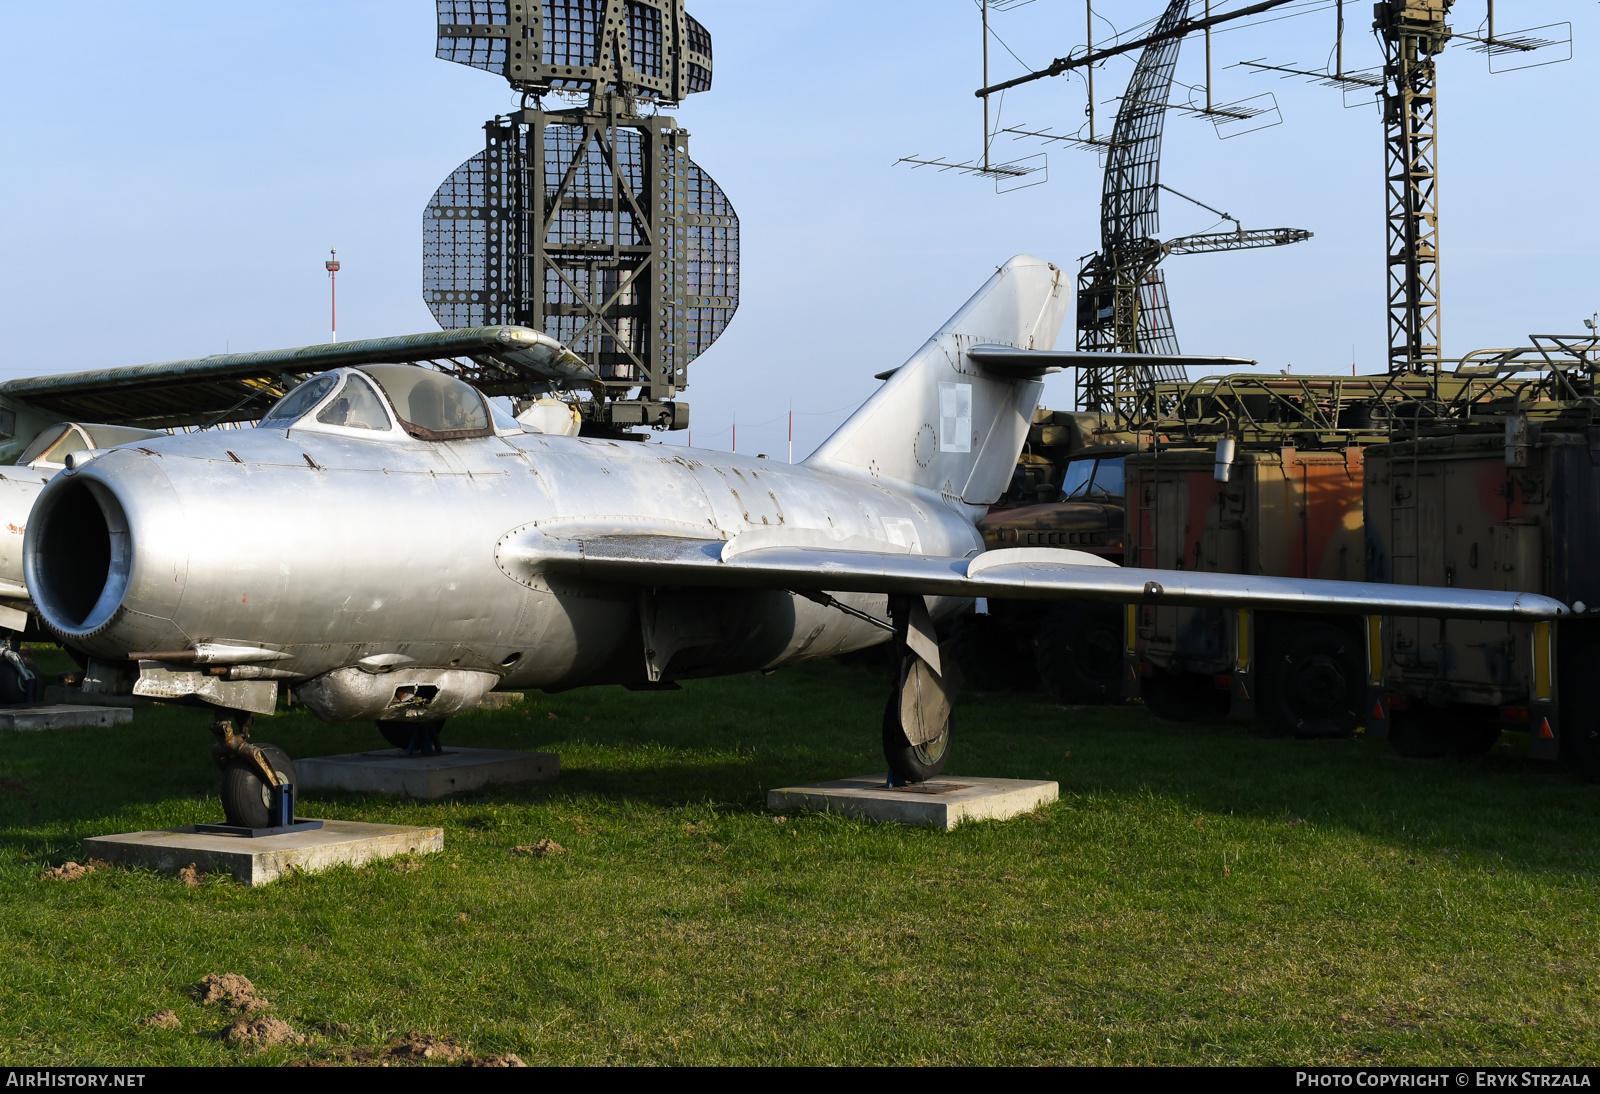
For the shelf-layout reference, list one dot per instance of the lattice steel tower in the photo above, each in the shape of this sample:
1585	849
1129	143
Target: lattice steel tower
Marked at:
1413	32
590	222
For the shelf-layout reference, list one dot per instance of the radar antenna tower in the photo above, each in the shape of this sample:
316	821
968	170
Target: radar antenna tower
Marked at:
588	221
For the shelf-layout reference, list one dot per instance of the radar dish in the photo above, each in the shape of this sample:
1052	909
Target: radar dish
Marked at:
470	237
660	53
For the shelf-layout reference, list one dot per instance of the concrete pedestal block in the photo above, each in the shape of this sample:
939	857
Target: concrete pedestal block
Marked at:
62	716
259	861
456	771
942	803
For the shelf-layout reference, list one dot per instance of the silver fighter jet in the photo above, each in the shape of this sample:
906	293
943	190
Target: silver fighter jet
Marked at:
385	547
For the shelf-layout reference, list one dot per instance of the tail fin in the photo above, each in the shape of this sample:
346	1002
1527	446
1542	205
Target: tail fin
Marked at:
940	422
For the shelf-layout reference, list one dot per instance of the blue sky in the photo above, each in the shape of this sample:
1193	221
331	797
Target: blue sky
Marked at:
174	174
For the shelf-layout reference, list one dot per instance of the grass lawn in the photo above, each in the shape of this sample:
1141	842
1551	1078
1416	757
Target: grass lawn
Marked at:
1198	895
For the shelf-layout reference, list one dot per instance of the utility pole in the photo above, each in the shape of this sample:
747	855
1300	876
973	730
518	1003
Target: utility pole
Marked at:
332	266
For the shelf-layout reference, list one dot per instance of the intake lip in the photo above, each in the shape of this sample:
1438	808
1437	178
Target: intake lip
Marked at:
78	556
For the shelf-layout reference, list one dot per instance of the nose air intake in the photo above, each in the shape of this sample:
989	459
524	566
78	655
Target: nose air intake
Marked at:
78	557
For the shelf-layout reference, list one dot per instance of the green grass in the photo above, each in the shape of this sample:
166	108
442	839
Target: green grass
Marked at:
1197	895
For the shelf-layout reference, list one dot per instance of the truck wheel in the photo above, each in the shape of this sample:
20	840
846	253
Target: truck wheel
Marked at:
1078	651
1469	731
1580	709
1314	687
1415	735
1182	696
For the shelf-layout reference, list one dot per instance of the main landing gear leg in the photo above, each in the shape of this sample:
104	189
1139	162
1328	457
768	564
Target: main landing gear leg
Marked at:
917	720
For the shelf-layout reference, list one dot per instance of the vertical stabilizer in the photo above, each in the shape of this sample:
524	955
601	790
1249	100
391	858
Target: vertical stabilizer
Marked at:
940	423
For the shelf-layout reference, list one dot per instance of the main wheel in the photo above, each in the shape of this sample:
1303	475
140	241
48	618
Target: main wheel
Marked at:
1314	687
402	734
910	763
246	797
16	686
1078	650
1182	696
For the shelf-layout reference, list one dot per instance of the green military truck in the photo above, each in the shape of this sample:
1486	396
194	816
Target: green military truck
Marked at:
1066	492
1500	490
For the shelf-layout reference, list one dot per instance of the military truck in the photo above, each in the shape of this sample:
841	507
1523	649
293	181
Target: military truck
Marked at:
1258	475
1066	492
1501	490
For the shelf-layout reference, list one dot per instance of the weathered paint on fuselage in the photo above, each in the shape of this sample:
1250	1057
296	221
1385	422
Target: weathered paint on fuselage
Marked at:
332	547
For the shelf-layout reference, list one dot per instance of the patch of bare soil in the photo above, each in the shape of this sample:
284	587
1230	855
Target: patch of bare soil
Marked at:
190	876
229	990
539	850
161	1019
261	1033
421	1048
510	1059
72	871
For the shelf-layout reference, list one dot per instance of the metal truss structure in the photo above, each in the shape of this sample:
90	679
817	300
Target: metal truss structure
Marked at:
590	222
1412	32
1122	293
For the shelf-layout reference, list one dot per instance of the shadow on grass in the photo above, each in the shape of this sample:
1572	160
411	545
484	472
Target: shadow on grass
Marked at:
726	741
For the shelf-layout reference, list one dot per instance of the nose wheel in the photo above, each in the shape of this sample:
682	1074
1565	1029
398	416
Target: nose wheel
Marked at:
258	783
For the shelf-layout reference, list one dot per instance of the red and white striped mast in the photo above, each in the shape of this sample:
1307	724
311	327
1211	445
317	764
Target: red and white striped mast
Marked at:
332	266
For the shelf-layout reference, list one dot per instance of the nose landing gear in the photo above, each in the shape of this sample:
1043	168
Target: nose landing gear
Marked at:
258	782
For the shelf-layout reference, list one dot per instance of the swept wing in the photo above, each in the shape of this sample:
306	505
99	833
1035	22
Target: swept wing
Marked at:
762	560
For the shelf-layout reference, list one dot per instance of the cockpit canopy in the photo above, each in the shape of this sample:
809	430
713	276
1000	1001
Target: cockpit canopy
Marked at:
54	444
428	405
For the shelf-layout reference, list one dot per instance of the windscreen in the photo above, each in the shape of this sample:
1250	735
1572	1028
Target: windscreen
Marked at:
432	406
44	440
356	406
71	441
1085	477
300	400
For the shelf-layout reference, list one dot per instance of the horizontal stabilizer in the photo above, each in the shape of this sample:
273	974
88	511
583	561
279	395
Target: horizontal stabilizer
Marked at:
1027	573
1015	364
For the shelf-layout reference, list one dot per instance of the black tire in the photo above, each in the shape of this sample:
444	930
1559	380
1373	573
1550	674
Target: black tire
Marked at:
1314	687
991	653
1415	734
1580	706
910	763
400	734
1078	652
1182	696
245	795
13	687
1470	731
